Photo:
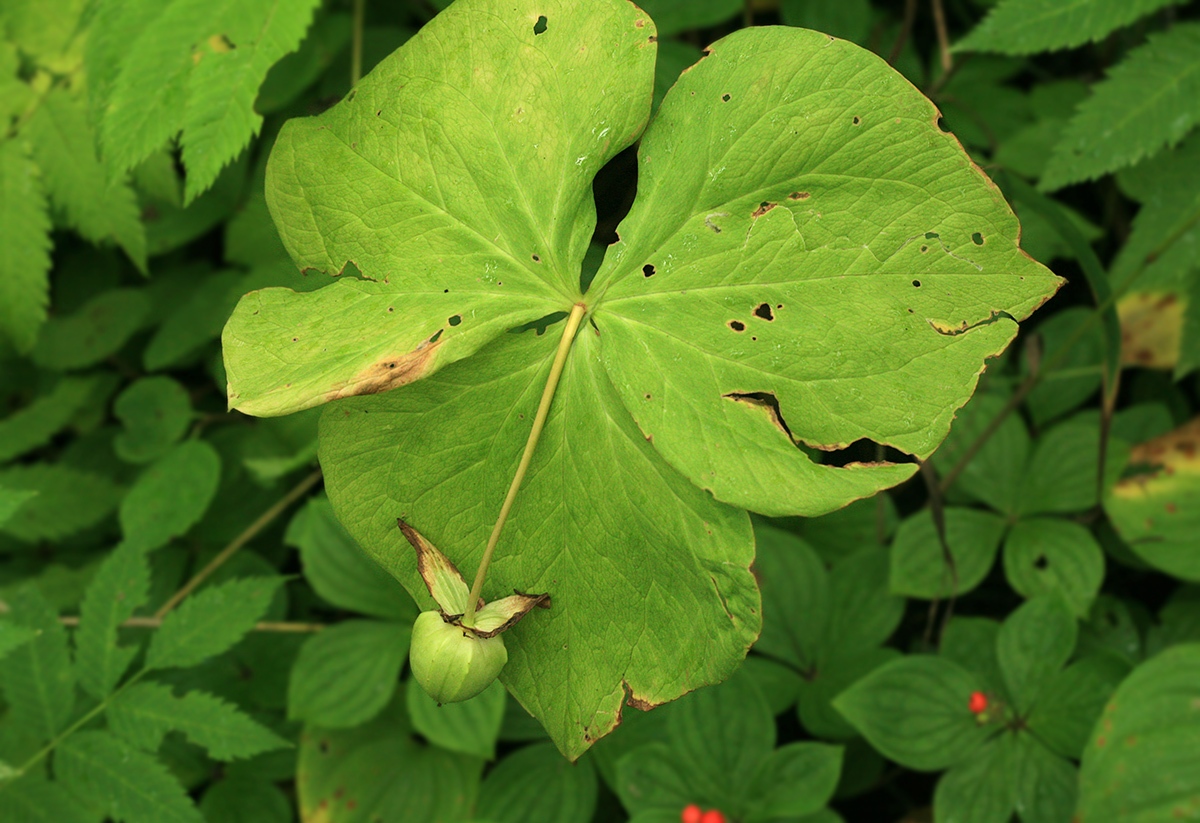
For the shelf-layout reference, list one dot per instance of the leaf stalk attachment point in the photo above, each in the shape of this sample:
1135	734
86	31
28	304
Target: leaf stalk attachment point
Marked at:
539	422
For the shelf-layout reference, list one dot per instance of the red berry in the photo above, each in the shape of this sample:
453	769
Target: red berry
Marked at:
691	814
978	703
712	816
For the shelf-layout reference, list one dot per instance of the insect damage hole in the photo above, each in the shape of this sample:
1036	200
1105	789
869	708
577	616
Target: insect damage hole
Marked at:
736	325
540	26
977	239
725	97
455	320
856	120
764	311
917	283
648	270
1041	562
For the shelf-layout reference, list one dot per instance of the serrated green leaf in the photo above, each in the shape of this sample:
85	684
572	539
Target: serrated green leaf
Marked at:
795	780
34	799
1073	700
34	424
120	587
1146	103
13	636
470	726
1030	26
914	711
919	567
220	118
1049	555
47	31
380	772
210	621
1141	756
101	207
67	501
536	784
15	94
144	713
607	508
25	236
155	412
37	679
129	785
1033	644
347	673
338	570
97	330
11	501
171	495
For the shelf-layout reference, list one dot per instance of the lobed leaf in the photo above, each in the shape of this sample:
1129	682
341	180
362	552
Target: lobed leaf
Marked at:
25	237
1146	103
144	713
1030	26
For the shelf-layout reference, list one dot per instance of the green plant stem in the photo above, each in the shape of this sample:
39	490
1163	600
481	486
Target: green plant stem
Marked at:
356	45
261	626
539	421
248	534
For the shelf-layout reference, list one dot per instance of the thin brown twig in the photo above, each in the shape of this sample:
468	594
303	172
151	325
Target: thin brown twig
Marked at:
906	25
939	25
939	524
248	534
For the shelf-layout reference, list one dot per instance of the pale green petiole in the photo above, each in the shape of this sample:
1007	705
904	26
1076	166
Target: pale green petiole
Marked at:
539	421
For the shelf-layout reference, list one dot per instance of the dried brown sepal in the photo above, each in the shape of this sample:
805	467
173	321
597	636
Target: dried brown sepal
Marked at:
501	615
442	578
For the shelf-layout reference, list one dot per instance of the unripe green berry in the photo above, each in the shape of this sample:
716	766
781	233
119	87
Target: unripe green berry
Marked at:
451	663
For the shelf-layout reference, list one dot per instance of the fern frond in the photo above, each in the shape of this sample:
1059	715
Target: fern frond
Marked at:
144	713
1150	100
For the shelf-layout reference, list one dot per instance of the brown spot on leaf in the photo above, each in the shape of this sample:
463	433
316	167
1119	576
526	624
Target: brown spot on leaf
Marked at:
736	325
762	209
764	311
388	372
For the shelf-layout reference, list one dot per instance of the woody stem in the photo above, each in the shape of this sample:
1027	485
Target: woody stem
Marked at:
539	421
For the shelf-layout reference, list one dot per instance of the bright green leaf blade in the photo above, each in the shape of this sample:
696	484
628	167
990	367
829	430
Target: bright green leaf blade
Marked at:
102	208
1155	510
25	237
625	546
470	726
379	771
971	643
795	598
721	735
914	711
457	176
1046	785
980	789
34	799
210	621
536	785
1146	103
120	587
36	423
36	679
795	780
11	501
1062	473
68	500
1050	555
804	235
13	636
171	495
840	671
650	780
220	118
126	783
339	571
155	412
346	674
1033	644
96	331
1030	26
1069	707
145	712
1142	755
919	567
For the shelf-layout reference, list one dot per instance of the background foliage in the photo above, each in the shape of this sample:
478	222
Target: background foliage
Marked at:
189	634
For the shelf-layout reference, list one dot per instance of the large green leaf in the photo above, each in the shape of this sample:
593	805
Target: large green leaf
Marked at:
1028	26
806	246
1140	765
25	233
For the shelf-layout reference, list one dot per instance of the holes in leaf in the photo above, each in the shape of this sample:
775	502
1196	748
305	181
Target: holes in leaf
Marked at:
762	209
391	309
536	259
540	26
917	283
436	336
350	96
736	325
764	311
856	120
977	239
931	235
294	339
766	401
725	97
652	38
799	195
445	291
1041	562
379	113
455	320
648	270
924	249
